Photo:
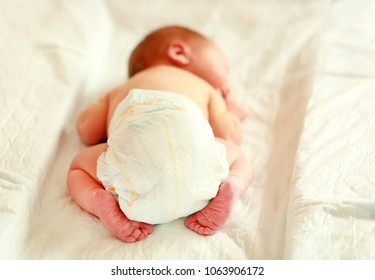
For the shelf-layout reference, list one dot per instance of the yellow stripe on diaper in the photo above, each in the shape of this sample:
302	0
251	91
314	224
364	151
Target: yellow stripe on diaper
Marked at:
133	197
134	192
172	158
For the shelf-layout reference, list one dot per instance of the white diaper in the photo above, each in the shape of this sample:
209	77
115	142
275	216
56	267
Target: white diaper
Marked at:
162	161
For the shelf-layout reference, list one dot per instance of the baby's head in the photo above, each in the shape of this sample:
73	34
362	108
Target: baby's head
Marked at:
183	48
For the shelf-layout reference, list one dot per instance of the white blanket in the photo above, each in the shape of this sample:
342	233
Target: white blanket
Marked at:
305	70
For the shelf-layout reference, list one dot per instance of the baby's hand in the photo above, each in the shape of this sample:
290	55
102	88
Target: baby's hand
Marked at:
232	104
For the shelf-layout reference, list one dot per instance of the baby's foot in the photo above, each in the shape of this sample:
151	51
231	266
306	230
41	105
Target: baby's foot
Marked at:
208	220
115	220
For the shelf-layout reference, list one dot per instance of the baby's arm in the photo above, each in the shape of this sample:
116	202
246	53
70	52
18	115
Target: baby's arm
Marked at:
233	106
92	122
224	123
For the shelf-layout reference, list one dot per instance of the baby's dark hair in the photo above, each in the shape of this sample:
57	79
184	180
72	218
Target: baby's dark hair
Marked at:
155	44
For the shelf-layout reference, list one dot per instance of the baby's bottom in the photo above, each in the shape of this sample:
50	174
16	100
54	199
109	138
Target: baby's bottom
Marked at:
86	189
88	192
211	218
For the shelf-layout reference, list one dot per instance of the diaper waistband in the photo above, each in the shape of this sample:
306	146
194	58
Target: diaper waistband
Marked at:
145	95
159	98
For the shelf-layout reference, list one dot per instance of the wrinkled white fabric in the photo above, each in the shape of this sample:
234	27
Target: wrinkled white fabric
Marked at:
303	69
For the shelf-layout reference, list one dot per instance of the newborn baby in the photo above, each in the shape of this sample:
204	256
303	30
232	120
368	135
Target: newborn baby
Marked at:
171	148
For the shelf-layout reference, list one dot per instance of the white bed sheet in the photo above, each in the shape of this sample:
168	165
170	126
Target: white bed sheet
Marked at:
305	71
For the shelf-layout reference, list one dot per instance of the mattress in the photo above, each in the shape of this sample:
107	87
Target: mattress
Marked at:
304	70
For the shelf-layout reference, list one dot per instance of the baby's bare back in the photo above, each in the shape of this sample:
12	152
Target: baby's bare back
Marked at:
165	78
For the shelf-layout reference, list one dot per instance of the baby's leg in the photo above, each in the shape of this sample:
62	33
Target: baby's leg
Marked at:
211	218
88	192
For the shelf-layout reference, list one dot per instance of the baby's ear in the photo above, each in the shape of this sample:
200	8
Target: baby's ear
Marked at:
179	52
